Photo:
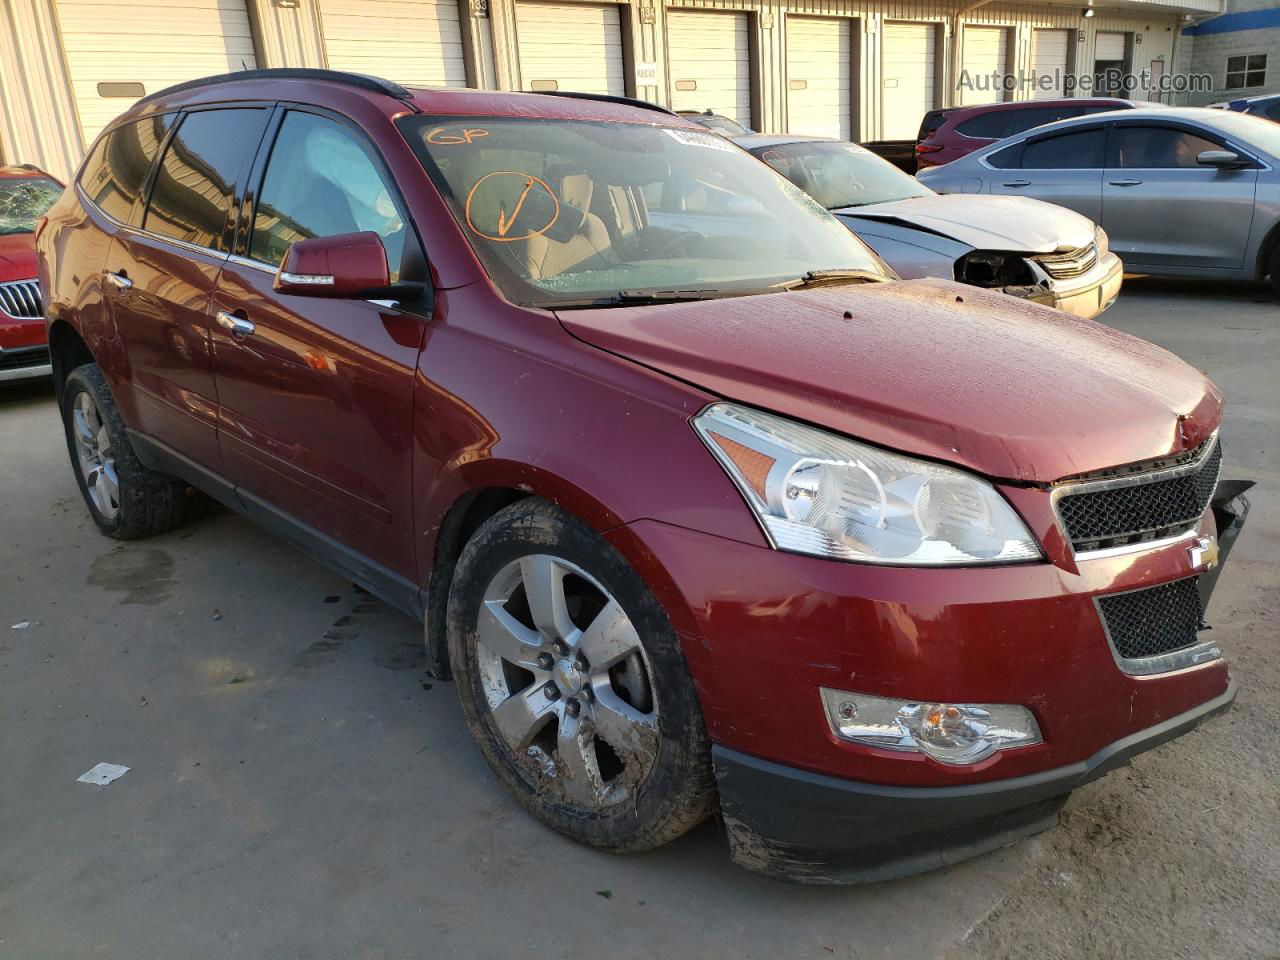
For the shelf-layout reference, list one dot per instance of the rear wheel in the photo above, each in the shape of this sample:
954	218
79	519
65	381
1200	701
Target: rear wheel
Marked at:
127	500
1274	270
573	683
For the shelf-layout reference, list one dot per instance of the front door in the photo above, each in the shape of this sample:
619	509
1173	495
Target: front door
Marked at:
1162	208
1063	168
315	404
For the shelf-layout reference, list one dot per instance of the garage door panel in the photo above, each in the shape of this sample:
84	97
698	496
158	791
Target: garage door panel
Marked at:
155	43
413	43
820	76
1050	55
985	51
576	46
712	51
1109	46
909	87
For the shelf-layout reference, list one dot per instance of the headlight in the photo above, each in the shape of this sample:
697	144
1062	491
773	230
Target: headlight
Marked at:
1102	240
955	733
818	493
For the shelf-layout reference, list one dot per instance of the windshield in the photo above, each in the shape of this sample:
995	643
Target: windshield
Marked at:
569	213
23	201
1251	130
840	174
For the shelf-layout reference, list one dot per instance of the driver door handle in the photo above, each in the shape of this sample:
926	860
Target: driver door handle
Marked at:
1017	183
119	280
237	326
1124	183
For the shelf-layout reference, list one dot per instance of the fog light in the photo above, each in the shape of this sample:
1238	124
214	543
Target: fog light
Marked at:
956	733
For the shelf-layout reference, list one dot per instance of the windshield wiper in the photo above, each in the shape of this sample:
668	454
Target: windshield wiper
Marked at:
819	278
631	298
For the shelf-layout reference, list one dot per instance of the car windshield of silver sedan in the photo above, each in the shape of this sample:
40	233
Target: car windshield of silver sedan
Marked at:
840	174
567	213
23	201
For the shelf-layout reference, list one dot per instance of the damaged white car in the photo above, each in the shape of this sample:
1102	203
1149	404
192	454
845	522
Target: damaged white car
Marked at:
1026	248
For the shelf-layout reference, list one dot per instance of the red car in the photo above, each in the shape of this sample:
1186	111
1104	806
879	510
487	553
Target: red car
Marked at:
949	134
713	517
25	194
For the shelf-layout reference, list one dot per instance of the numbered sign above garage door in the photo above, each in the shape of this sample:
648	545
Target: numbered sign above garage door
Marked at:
409	41
117	54
709	62
1049	58
574	47
909	85
820	76
985	51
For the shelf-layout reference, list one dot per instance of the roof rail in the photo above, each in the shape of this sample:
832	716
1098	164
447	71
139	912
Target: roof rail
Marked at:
359	80
608	98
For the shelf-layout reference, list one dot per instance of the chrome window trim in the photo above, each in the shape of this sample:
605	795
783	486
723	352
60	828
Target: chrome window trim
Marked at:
139	232
1197	655
1133	480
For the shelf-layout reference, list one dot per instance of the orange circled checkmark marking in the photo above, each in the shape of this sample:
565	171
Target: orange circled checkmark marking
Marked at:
503	223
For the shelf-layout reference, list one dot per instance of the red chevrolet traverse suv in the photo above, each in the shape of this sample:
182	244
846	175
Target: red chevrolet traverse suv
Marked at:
699	507
25	194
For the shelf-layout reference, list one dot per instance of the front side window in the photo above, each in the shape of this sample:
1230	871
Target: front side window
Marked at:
1078	150
1249	70
196	182
840	174
1146	148
116	172
24	200
319	183
542	203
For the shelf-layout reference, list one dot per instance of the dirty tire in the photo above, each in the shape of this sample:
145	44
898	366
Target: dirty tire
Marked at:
1273	270
146	503
634	811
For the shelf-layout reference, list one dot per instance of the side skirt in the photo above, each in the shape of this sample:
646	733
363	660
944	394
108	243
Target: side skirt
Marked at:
382	582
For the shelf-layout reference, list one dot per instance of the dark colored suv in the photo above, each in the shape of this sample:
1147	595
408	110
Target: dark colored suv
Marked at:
712	517
949	134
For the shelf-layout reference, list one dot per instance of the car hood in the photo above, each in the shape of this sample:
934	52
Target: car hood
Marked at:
17	257
1009	389
1019	224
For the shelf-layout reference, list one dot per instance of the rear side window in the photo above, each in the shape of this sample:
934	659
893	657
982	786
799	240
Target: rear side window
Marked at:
988	126
1079	150
196	183
1147	148
321	182
114	175
930	124
1010	158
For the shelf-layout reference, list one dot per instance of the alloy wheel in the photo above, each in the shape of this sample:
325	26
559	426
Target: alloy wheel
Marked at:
96	456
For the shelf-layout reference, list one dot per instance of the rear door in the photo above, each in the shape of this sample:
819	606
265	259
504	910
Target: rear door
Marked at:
159	278
1160	207
1063	168
315	403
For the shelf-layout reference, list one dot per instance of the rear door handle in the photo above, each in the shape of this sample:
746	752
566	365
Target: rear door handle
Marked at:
119	280
1124	183
236	326
1017	183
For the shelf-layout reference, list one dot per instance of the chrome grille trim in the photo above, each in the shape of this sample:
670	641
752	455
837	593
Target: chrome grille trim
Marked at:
21	299
1071	263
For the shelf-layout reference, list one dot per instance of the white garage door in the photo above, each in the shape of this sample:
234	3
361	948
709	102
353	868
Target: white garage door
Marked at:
709	59
986	51
910	58
1109	47
409	41
820	77
1049	59
570	47
117	54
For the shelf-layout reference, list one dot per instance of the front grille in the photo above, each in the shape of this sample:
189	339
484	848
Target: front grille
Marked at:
1073	263
1140	507
1154	621
24	357
21	299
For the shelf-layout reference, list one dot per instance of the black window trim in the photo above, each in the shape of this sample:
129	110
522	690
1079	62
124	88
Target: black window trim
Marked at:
1204	133
1083	127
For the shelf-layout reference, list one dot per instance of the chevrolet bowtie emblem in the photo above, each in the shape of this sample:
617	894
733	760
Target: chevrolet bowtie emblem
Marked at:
1204	553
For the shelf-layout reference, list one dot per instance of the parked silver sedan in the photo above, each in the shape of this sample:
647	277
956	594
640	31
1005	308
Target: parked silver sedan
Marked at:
1181	192
1020	246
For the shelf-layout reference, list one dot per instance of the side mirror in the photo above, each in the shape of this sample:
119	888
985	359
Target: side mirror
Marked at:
1222	159
347	266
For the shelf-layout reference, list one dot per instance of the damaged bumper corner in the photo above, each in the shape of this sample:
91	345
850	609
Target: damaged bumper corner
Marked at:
810	828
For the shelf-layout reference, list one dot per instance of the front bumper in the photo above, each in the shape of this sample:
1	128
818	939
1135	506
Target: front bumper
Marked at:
811	828
24	363
1091	293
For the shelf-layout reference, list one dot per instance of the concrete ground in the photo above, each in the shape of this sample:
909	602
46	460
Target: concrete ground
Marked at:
300	788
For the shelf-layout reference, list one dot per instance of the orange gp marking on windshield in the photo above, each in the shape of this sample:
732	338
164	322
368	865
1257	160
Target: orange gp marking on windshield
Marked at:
441	135
505	222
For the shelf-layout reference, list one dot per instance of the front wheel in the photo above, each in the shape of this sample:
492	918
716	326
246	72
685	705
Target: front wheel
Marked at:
573	683
1274	270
